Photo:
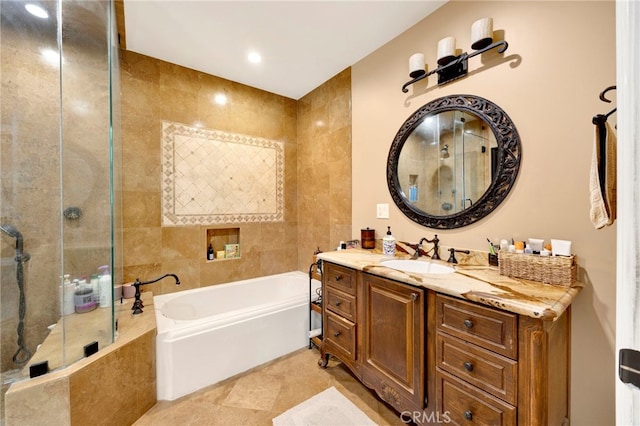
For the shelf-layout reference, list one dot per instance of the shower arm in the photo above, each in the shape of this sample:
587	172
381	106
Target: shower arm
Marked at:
137	304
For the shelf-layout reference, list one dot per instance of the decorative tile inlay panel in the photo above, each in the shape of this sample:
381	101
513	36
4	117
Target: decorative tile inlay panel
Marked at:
212	177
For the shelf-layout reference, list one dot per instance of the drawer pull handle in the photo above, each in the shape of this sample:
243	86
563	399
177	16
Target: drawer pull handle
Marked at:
468	366
468	415
337	302
336	334
468	323
338	277
414	296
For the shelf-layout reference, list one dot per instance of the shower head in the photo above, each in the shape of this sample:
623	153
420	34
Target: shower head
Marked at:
10	230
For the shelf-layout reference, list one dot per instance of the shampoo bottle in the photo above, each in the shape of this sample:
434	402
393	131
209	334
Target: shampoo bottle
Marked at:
389	244
104	283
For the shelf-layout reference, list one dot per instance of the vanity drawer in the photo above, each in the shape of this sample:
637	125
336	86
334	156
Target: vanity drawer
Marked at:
341	335
489	371
466	405
341	278
486	327
341	303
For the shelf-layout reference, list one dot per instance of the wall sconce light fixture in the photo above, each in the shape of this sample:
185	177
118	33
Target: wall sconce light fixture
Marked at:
452	67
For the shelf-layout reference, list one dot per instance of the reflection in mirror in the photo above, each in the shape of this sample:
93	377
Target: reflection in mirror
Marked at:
445	165
453	161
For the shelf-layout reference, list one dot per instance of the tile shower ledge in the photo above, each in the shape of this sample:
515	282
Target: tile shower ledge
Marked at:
135	332
477	283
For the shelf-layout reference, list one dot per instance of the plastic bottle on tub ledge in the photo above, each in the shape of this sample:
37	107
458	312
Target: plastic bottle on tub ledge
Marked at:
389	244
104	283
67	290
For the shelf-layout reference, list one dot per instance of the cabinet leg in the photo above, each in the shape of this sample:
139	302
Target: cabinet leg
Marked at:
324	360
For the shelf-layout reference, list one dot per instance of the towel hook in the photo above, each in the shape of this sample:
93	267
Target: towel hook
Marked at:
604	92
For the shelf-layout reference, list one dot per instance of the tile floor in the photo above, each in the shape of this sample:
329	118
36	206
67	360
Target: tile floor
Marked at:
256	397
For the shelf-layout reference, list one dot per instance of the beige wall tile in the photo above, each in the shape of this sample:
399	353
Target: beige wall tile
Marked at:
153	91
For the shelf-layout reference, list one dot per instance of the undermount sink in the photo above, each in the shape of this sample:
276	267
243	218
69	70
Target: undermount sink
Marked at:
417	266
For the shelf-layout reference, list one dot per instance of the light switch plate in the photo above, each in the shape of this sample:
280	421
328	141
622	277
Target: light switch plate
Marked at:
382	211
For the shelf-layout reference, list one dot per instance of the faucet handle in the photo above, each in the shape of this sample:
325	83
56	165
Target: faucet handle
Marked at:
452	254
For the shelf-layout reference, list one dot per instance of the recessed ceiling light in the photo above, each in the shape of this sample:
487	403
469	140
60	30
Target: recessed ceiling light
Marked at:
36	11
254	57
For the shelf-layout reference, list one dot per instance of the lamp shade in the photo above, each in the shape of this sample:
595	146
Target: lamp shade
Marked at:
481	33
446	50
416	65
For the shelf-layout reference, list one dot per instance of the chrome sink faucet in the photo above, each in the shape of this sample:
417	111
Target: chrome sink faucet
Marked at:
435	241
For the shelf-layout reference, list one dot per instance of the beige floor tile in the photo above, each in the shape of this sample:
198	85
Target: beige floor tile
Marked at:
257	390
254	398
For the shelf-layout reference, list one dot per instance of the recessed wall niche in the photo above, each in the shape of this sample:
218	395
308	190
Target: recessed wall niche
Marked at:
211	177
225	243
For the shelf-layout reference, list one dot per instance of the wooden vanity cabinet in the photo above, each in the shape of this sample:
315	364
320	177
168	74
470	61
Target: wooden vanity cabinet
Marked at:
339	315
376	327
393	349
455	361
494	367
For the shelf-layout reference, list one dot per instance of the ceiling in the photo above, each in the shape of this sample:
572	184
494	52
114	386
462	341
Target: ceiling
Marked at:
302	43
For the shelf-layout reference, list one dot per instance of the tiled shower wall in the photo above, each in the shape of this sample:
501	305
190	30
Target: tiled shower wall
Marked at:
153	91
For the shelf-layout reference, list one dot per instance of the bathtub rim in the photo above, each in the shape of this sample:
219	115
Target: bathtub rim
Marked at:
171	329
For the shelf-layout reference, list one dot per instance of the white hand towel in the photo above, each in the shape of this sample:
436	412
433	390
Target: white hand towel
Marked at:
603	205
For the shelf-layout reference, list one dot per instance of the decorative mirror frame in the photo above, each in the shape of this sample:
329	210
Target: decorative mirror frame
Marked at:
509	153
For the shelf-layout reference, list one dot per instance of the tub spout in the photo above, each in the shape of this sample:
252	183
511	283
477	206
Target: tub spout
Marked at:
137	304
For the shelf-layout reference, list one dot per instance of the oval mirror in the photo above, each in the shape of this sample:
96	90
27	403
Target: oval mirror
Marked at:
453	161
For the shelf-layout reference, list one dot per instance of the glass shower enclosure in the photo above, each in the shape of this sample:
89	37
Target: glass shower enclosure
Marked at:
59	168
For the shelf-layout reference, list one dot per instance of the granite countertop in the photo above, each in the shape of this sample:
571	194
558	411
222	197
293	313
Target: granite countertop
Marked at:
472	280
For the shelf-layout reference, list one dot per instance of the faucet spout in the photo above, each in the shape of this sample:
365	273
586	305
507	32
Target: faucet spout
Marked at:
137	304
435	241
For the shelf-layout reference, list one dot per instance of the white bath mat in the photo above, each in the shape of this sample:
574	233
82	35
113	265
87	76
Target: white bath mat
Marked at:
328	408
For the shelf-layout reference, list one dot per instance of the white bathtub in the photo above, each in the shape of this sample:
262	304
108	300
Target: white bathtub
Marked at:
209	334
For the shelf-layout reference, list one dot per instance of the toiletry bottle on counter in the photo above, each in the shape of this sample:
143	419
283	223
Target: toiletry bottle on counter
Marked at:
389	244
104	283
210	252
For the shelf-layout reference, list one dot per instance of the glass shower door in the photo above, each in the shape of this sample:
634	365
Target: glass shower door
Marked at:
60	182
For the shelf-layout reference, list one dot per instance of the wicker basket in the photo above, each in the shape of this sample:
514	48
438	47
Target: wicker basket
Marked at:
556	270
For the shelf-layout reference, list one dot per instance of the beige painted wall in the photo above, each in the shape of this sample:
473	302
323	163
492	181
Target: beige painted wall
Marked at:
560	56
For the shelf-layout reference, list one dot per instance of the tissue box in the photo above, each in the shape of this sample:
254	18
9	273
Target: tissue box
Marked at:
555	270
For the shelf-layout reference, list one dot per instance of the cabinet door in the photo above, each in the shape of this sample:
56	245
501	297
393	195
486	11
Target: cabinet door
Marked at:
393	343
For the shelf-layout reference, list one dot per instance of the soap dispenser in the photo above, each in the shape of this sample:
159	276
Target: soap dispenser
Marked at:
389	244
